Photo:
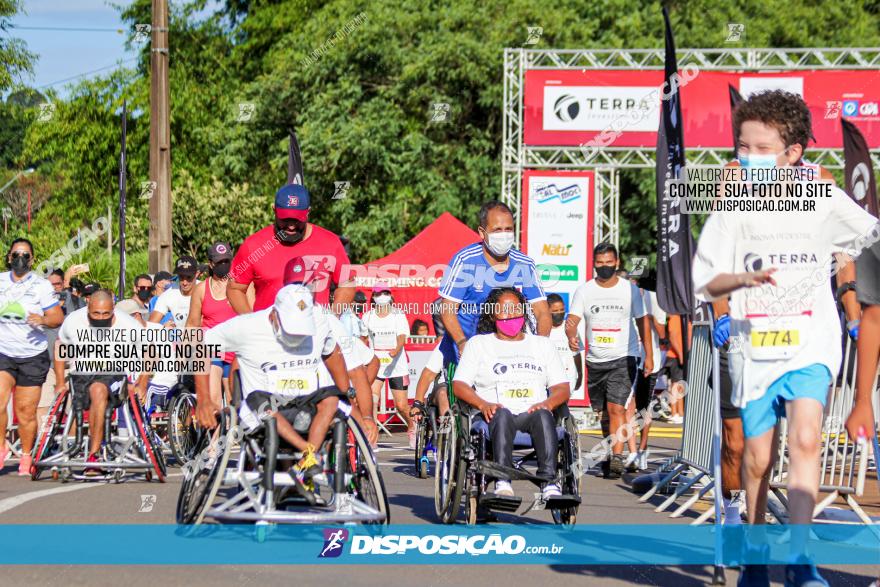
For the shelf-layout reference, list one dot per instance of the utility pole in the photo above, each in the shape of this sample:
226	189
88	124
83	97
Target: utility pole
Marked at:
160	143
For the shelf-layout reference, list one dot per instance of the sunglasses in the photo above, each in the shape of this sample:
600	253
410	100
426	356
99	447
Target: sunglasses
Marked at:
144	287
25	256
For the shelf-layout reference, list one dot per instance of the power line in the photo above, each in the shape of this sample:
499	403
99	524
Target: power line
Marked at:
61	81
68	29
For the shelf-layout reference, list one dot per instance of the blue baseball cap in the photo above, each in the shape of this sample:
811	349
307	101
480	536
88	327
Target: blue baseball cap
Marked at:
292	201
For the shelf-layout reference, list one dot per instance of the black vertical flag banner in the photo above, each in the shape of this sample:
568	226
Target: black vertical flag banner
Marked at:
675	246
860	183
122	260
735	100
294	161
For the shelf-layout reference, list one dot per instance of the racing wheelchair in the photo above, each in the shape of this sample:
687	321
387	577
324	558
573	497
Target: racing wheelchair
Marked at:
255	486
465	468
134	447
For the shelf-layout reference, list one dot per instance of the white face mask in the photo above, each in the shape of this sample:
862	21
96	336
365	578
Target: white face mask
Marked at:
500	243
382	300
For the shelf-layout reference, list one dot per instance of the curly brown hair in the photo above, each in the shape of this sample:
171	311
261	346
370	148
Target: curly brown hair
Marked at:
784	111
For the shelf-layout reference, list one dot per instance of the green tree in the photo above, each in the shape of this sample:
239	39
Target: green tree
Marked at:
15	59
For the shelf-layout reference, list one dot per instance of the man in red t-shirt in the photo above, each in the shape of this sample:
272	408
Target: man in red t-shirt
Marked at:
262	256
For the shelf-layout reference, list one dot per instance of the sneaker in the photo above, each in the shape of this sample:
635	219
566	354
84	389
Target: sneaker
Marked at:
754	576
4	454
615	467
411	434
550	490
630	463
93	471
24	465
642	460
676	419
803	573
308	466
503	488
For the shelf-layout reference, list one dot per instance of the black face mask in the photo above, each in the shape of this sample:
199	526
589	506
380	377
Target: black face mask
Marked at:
557	318
144	295
287	237
20	264
221	269
605	271
100	323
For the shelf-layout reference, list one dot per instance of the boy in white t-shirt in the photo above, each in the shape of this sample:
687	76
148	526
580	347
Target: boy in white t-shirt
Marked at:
776	268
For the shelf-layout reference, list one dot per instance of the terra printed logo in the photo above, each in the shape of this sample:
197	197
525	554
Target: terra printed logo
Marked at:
499	368
753	262
334	538
566	108
595	309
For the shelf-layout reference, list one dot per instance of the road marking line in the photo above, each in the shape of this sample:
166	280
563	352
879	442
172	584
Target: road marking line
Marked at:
17	500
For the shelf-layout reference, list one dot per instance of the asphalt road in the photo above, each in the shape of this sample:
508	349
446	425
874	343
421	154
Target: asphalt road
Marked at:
606	502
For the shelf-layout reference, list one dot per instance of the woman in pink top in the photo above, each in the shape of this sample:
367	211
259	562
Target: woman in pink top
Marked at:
209	307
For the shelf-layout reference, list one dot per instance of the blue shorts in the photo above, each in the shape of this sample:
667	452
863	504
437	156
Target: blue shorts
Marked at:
223	365
763	414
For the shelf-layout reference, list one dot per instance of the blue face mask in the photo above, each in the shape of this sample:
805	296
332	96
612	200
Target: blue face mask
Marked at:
756	161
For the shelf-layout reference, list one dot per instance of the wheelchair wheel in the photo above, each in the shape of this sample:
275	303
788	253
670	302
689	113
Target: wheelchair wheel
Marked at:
183	435
570	473
203	475
54	426
149	443
366	479
449	477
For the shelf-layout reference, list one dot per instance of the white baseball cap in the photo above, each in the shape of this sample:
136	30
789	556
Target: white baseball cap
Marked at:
295	310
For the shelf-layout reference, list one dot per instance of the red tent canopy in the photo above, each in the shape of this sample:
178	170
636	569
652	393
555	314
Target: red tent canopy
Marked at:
414	271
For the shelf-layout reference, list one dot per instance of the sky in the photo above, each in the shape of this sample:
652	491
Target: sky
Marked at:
67	54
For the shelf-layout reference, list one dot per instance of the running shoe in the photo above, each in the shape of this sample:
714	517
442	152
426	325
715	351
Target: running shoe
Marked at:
676	419
630	464
503	488
93	471
308	465
24	465
411	434
615	467
754	576
4	454
803	573
550	490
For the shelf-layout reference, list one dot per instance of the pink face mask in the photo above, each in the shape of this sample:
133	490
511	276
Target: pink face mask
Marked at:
510	326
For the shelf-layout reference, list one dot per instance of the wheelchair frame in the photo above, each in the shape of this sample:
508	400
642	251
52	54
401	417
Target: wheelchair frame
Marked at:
463	471
251	489
426	435
139	451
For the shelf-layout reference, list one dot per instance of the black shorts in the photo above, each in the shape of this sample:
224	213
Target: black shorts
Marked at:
728	410
305	406
674	370
395	383
27	371
611	382
81	384
645	389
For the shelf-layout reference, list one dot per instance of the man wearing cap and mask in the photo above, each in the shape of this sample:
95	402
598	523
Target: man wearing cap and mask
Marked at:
280	350
477	269
176	300
262	256
209	306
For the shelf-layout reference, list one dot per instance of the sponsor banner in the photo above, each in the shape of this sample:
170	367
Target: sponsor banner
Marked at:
573	107
426	544
557	232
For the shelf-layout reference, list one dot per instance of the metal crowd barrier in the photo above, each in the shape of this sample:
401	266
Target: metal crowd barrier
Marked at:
843	462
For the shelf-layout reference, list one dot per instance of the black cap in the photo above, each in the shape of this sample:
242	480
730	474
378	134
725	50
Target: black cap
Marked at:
186	266
90	288
163	275
220	251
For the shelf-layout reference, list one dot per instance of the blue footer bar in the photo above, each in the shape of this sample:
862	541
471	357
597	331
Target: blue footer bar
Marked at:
648	544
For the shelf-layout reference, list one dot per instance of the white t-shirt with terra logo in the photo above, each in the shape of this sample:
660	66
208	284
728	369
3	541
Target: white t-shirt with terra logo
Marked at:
384	331
778	329
31	295
514	373
175	302
610	314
